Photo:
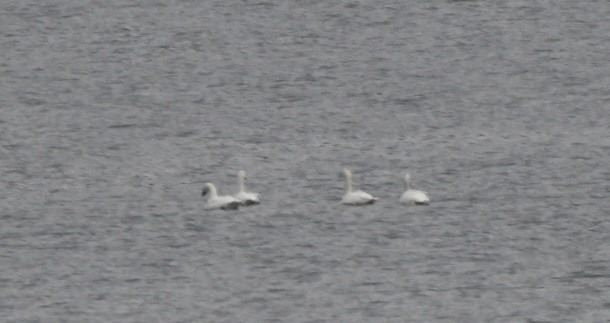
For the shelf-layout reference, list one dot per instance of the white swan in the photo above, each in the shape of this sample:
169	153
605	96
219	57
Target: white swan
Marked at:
223	202
355	197
245	198
411	196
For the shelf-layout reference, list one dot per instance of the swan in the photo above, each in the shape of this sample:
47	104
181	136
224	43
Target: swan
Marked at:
245	198
223	202
411	196
355	197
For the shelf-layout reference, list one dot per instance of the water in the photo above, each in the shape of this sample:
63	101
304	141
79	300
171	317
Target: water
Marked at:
112	117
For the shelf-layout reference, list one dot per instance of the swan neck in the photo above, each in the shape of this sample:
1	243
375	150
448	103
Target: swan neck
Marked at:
407	184
348	183
240	181
213	192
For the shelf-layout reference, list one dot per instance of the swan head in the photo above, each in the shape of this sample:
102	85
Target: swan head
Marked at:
207	188
347	173
407	177
242	174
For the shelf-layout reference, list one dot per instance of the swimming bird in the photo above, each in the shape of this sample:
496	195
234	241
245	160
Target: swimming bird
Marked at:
223	202
412	196
245	198
355	197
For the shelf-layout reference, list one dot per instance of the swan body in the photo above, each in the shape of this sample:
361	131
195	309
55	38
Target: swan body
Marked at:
242	196
223	202
352	197
412	196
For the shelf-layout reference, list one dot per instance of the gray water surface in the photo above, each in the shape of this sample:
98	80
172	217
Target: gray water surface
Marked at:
113	115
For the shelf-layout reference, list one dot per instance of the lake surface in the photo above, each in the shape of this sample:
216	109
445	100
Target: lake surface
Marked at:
114	115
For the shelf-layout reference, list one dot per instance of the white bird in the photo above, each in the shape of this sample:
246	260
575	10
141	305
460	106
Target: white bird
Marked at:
223	202
411	196
355	197
245	198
